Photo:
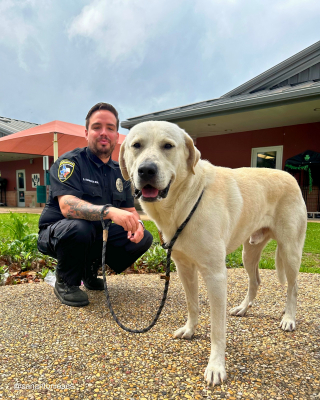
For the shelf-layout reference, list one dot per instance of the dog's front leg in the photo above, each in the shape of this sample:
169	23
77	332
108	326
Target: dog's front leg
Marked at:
189	278
216	281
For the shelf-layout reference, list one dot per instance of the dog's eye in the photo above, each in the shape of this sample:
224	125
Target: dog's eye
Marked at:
168	146
136	145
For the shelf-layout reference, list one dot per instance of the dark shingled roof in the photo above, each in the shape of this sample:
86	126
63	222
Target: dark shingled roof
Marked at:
9	125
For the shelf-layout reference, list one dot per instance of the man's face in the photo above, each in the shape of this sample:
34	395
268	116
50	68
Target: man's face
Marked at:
102	134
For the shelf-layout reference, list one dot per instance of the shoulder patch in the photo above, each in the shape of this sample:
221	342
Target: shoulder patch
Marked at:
65	170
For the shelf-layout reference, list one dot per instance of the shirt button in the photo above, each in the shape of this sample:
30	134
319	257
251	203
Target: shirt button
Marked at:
105	174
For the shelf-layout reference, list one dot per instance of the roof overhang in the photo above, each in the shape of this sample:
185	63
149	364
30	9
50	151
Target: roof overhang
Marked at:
261	110
17	156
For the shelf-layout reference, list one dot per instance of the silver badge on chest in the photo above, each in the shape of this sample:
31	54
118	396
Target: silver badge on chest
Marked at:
119	185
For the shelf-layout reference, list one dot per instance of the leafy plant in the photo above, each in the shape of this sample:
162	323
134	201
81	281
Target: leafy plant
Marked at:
3	269
43	272
18	226
26	260
3	274
155	260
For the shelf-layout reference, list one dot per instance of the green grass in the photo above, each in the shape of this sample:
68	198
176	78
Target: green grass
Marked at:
32	223
151	227
310	258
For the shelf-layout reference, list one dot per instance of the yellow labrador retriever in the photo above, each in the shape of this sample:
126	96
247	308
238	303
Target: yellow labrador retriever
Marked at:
246	206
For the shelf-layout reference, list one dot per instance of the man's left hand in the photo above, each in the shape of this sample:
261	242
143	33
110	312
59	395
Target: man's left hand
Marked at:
137	236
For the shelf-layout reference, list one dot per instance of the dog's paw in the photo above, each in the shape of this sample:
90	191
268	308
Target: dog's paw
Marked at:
215	374
288	323
184	333
239	311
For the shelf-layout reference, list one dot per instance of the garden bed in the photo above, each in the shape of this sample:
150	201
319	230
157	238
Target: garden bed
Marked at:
21	262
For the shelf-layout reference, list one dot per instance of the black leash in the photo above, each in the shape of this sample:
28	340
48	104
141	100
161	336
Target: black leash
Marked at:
166	276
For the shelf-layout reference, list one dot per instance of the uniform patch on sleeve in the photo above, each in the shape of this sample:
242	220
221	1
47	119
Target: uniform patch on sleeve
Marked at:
65	170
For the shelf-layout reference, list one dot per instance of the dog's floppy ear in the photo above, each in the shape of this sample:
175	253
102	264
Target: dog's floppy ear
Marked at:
194	153
122	162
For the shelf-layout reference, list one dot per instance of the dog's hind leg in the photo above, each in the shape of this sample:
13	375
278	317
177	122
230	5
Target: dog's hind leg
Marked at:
189	278
250	256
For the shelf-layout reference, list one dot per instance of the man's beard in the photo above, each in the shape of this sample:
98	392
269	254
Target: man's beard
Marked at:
104	152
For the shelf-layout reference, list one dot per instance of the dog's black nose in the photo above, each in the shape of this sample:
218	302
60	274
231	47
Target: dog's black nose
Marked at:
147	170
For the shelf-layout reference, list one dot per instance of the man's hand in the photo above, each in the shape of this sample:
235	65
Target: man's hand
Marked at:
74	208
128	220
137	236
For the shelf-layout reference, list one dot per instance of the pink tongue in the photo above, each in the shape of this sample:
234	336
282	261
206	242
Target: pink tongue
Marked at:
150	192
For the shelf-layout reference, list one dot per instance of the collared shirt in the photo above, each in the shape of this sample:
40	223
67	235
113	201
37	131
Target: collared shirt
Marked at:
82	174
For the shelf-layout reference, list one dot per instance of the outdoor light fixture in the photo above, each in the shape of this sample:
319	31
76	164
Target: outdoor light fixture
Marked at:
316	109
228	130
211	124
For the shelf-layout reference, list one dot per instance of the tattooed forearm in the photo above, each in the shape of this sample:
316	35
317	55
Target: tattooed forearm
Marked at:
79	209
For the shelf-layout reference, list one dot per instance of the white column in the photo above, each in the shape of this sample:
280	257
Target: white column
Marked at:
55	146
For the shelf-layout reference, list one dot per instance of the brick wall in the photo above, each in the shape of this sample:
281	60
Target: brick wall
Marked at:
30	199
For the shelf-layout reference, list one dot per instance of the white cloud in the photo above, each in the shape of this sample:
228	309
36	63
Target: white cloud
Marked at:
122	29
17	28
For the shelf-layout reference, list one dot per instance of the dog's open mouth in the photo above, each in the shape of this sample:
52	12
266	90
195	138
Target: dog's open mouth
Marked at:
150	193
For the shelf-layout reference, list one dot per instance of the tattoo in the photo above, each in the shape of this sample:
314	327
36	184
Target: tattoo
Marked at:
80	209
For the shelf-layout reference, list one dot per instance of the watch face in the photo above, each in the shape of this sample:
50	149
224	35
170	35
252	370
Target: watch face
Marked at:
119	185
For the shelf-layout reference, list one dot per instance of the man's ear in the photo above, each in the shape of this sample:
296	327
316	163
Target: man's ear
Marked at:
194	153
122	162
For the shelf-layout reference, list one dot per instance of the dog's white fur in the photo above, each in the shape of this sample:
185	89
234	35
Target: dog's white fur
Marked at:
246	206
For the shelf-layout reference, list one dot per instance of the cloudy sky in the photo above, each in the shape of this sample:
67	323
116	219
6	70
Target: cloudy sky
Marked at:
58	57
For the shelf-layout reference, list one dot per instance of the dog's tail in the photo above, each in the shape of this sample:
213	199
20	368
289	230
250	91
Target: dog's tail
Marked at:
280	267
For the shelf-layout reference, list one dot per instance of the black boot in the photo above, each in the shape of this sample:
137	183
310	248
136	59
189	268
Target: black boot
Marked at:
90	280
70	295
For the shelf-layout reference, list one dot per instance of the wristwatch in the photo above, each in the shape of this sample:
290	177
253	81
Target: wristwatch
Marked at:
144	228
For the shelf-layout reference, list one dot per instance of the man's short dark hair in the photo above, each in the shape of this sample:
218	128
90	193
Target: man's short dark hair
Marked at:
102	106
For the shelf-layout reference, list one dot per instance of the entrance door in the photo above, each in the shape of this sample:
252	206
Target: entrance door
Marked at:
21	187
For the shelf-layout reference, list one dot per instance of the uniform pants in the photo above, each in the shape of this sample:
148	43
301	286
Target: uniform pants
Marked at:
77	245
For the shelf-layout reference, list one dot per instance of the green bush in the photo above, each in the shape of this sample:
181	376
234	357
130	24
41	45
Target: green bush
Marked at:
154	260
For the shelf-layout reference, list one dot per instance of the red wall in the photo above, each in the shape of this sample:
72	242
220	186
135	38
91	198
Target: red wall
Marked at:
234	150
8	171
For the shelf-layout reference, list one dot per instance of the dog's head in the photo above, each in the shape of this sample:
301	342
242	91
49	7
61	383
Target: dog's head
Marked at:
154	155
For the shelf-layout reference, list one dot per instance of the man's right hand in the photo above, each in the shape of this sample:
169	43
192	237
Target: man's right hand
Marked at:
126	219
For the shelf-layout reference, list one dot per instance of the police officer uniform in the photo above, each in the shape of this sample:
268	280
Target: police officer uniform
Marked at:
77	243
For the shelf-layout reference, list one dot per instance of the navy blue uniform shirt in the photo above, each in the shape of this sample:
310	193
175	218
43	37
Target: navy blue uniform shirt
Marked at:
82	174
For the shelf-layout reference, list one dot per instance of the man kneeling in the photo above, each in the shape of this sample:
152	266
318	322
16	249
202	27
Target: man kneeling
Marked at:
82	182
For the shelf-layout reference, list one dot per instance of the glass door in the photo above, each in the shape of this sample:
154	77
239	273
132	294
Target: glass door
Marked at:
21	187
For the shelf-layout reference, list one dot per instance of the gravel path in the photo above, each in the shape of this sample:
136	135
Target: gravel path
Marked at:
79	353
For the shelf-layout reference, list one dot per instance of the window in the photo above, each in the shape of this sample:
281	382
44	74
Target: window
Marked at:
267	157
